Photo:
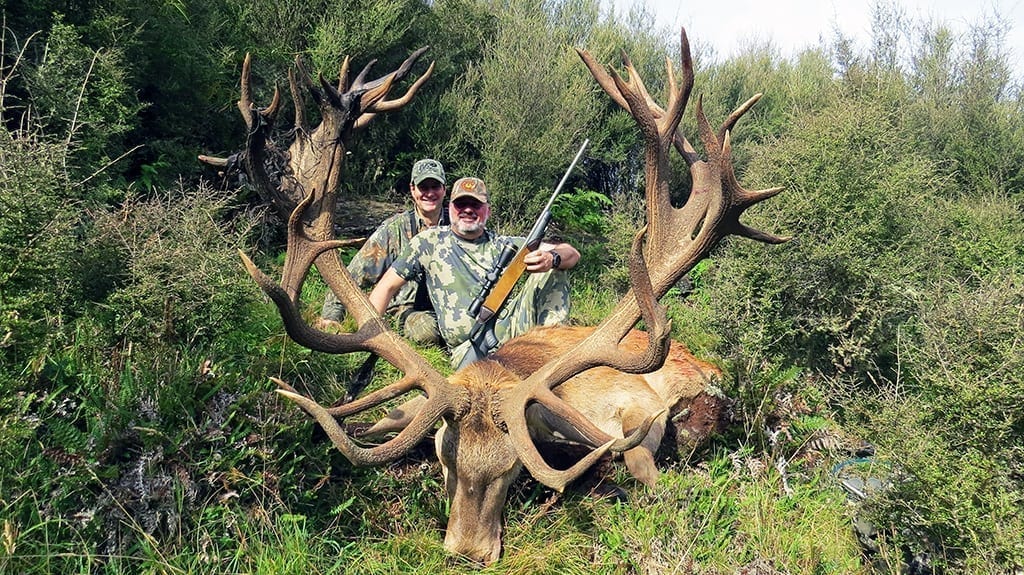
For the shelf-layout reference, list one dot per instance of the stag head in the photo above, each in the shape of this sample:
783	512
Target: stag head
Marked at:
491	410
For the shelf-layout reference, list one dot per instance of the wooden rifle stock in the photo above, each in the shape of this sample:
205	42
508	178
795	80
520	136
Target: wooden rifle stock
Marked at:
503	287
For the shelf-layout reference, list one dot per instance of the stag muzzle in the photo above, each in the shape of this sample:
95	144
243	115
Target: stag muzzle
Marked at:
474	526
477	475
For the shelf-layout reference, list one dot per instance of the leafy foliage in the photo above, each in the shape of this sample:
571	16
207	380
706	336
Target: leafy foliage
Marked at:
958	412
528	103
179	276
834	297
38	224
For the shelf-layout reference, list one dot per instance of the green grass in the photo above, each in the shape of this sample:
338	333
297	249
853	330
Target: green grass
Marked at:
711	517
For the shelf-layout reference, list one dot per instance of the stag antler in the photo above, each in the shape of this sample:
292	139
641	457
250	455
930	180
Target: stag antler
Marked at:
283	178
676	239
314	167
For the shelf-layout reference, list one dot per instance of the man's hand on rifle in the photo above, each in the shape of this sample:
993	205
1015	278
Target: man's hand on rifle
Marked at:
551	256
539	261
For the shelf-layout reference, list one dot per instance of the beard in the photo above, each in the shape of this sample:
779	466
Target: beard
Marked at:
467	228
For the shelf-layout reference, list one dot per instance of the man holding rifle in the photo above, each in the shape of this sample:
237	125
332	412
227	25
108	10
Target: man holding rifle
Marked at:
454	261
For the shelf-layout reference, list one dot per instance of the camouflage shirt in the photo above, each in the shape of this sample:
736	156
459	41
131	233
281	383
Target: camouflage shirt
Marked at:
374	258
453	269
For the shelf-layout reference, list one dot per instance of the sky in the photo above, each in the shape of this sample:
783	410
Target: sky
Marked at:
794	24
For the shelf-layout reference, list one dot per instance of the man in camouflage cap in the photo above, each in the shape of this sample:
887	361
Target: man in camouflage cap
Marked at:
411	305
452	261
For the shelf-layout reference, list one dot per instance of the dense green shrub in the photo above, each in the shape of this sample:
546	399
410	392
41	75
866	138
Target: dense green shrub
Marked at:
179	276
83	95
39	245
857	203
955	412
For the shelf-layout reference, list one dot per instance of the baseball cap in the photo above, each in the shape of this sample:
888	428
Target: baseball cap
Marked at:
471	187
424	169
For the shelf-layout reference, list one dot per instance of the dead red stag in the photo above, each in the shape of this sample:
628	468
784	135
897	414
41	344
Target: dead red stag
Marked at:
611	387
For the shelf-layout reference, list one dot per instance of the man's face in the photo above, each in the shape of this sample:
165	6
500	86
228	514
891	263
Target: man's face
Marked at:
428	195
469	217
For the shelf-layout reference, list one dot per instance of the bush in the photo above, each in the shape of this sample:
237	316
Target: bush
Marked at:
956	414
180	277
83	96
858	203
39	245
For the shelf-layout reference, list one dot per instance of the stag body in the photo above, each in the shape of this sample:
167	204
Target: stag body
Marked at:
479	459
618	403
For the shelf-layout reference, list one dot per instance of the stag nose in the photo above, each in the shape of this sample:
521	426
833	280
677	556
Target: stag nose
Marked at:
479	547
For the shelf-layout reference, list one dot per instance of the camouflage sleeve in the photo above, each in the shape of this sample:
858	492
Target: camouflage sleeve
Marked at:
408	264
376	255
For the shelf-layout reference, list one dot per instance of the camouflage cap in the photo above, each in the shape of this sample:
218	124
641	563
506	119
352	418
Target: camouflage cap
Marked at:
472	187
424	169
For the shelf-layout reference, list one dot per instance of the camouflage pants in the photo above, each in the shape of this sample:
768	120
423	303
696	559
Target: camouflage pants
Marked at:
544	300
420	326
332	308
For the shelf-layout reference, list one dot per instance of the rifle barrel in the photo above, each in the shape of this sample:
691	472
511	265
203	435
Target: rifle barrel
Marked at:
565	177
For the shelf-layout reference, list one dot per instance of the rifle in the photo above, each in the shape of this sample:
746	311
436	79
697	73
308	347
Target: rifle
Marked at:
504	274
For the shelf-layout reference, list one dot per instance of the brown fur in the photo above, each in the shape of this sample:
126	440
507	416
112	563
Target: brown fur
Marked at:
477	457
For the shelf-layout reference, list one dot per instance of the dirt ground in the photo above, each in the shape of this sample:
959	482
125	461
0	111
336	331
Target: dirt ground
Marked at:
358	217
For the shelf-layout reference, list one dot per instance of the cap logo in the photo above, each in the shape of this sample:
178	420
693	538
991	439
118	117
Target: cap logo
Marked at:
427	168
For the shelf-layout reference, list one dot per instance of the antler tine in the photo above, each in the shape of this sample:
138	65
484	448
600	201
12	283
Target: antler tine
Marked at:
307	81
370	97
215	161
327	89
387	393
270	112
418	428
603	78
730	122
389	105
394	76
258	125
636	83
373	99
678	96
300	110
343	75
245	104
358	83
